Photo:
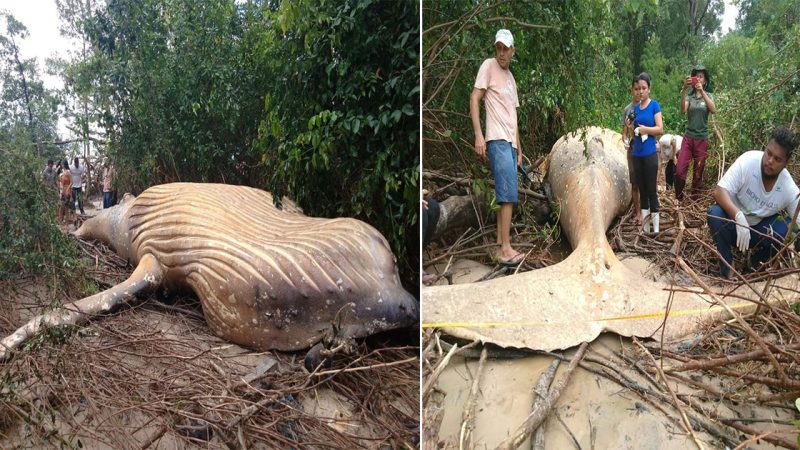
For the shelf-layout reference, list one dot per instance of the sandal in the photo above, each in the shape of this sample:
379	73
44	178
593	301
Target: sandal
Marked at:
514	261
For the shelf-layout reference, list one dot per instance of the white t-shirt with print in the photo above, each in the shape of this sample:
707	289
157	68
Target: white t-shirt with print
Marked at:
743	182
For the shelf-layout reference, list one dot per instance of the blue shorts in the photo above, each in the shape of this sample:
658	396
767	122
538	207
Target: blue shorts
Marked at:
503	161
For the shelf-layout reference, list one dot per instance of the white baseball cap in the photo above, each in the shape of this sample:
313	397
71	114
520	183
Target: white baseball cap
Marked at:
505	37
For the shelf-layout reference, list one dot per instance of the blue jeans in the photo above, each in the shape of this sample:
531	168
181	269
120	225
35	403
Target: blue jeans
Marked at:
503	161
724	234
108	199
77	194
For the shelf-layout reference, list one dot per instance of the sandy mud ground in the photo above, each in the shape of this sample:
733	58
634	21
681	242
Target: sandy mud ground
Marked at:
592	411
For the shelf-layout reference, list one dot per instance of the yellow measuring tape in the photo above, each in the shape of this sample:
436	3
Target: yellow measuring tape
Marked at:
685	312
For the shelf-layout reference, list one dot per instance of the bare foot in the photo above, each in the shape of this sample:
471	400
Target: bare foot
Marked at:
428	278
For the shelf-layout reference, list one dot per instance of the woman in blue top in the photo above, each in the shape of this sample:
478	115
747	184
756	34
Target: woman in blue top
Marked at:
647	126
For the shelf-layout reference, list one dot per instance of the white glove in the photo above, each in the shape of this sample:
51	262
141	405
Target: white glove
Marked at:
636	131
742	232
644	137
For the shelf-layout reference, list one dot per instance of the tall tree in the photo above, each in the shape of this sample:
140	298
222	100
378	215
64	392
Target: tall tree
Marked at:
84	110
760	72
25	104
30	241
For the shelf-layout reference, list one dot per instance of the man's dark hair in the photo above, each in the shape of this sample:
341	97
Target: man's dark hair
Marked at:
50	162
65	164
76	160
644	76
786	139
635	79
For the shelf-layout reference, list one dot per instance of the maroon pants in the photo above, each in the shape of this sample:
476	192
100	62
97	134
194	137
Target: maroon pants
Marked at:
692	149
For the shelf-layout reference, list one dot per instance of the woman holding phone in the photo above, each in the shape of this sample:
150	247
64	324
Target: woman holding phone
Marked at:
697	104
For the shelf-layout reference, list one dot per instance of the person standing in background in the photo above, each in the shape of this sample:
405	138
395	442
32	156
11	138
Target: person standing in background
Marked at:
77	183
627	142
108	190
697	105
67	204
49	175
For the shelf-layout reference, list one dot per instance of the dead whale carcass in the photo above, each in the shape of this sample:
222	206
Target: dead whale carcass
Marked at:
266	278
589	292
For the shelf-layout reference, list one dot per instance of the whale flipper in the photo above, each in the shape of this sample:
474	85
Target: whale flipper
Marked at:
147	275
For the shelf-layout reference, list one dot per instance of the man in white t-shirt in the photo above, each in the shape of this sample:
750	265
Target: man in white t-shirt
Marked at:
77	183
669	145
750	199
496	86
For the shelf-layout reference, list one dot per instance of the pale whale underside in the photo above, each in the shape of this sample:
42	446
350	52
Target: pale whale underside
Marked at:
266	278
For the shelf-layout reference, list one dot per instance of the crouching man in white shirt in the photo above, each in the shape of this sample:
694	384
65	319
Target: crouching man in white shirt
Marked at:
668	147
755	201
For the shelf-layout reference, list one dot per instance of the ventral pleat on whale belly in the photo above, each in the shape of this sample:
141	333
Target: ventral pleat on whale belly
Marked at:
233	256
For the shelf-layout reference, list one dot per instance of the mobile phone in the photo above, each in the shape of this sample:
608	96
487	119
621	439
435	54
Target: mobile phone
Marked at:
694	81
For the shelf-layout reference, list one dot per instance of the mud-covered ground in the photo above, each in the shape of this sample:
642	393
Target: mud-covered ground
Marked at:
594	411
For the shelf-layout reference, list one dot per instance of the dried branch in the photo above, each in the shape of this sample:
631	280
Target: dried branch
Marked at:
537	416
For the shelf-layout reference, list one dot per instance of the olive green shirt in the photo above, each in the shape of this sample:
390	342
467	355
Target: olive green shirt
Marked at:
697	117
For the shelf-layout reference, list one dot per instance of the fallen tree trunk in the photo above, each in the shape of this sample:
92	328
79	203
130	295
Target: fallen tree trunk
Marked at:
458	213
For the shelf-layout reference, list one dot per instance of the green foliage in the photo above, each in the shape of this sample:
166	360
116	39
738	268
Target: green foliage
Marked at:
481	189
28	111
759	80
772	19
51	337
176	89
341	131
30	240
685	27
549	233
574	62
566	69
315	100
736	60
